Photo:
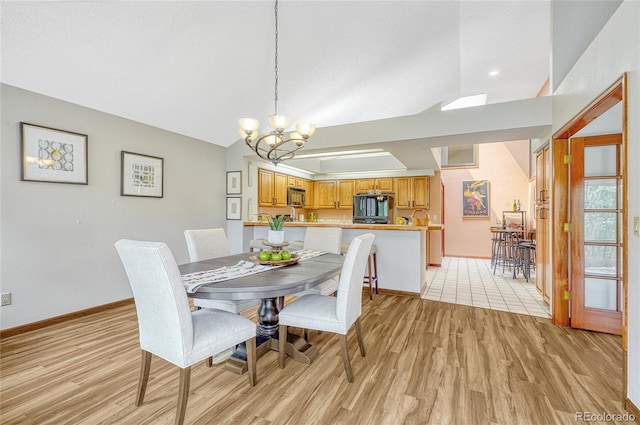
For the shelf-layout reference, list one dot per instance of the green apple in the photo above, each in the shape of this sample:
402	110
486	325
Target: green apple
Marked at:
286	255
276	256
264	256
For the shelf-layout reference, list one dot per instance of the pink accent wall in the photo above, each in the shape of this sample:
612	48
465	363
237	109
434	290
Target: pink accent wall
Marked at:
502	164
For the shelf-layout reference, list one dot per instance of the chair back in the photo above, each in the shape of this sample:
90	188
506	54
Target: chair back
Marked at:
204	244
349	302
327	239
164	316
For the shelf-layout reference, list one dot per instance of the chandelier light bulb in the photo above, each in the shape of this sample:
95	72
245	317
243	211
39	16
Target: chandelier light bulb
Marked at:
305	129
279	122
248	125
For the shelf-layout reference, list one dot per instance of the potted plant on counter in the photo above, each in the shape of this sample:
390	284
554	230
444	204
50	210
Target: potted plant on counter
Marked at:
275	234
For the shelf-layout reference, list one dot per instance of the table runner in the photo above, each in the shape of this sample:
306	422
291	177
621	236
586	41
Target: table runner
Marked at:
193	281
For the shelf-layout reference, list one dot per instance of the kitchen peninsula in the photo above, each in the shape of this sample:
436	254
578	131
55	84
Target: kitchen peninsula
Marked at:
402	249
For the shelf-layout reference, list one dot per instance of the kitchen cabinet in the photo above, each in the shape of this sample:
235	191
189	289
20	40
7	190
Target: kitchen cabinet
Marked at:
384	185
307	185
543	177
293	181
364	185
334	193
272	189
412	192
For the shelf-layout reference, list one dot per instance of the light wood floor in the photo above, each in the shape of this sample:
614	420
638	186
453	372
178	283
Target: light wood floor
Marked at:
427	363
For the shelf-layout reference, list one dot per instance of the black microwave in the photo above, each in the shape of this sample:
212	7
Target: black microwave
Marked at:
296	197
372	208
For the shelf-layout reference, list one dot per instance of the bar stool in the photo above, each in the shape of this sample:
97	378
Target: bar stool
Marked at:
371	276
522	259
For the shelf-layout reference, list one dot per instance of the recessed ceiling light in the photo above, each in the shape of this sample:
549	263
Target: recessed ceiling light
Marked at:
494	73
466	102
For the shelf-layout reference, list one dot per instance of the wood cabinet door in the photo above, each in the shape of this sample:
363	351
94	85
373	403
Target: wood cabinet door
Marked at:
280	190
265	188
364	185
403	192
325	193
346	190
307	185
385	185
420	192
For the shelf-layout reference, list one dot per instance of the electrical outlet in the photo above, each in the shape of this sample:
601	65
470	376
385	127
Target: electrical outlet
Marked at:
636	226
6	298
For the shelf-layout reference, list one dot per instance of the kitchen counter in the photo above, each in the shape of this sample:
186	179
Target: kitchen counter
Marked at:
362	226
402	249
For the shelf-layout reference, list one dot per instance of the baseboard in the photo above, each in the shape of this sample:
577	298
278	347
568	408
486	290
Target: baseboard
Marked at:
633	409
476	257
5	333
399	293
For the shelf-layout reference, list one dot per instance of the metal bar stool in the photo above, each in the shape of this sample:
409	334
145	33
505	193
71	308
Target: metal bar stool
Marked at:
371	276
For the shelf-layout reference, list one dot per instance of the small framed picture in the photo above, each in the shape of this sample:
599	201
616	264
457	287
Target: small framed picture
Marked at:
475	198
234	208
142	175
54	156
234	182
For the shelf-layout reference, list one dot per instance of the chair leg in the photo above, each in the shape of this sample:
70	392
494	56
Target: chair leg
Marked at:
183	394
345	358
251	360
210	361
369	277
375	270
145	365
281	345
359	335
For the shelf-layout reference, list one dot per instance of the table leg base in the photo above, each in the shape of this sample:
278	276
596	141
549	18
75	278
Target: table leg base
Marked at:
299	349
296	347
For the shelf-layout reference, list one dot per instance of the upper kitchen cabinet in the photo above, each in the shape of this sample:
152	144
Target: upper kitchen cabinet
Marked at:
334	193
307	185
385	185
412	192
272	188
293	181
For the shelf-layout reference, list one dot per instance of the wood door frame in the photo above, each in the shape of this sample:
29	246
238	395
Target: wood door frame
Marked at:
616	93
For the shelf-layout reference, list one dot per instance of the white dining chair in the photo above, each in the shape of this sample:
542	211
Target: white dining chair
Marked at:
205	244
167	326
332	314
328	239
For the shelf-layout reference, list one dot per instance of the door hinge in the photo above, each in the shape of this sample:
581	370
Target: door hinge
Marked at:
567	227
566	295
566	159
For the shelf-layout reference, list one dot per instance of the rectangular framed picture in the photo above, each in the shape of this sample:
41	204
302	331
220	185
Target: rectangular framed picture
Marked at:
234	182
54	156
234	208
141	175
475	198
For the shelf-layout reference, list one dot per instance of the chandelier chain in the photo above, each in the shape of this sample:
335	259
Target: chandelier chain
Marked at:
276	61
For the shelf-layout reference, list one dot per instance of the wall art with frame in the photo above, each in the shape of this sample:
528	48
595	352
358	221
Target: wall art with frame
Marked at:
475	198
141	175
234	208
52	155
234	182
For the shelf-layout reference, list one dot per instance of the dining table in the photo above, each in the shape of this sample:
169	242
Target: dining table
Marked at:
270	284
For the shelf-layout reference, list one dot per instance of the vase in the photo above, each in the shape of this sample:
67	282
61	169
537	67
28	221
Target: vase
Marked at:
275	237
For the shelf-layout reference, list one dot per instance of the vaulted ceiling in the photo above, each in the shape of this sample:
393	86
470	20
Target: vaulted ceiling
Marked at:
194	68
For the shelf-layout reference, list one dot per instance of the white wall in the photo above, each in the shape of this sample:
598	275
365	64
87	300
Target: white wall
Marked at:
613	52
51	264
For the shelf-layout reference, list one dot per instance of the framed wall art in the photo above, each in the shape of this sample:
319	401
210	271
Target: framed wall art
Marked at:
234	182
234	208
475	198
54	156
141	175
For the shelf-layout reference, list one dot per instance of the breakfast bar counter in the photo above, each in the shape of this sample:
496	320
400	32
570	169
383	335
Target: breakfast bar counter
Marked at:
402	249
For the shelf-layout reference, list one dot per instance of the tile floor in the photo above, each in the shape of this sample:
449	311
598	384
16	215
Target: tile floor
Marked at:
471	281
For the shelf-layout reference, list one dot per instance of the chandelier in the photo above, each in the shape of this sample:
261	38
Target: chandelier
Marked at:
275	146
